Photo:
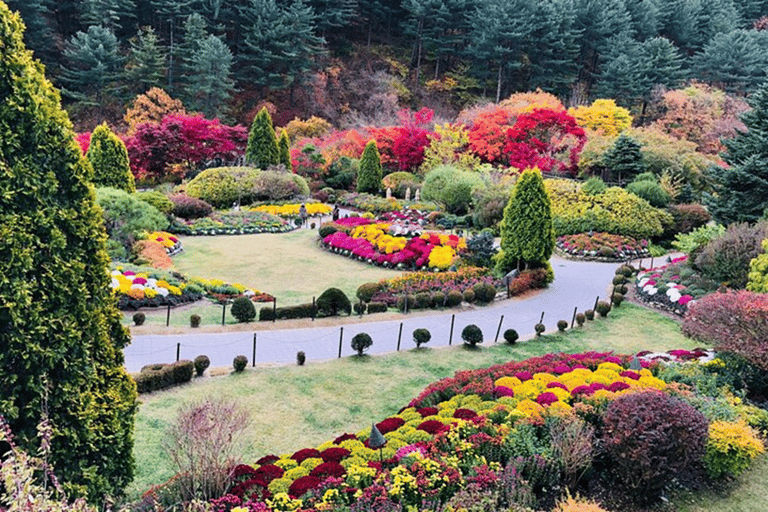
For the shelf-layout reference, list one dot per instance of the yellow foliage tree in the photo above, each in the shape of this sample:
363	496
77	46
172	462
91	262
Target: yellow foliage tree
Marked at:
151	107
603	116
449	147
310	128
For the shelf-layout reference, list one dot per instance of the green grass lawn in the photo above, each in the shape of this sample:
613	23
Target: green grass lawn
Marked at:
295	407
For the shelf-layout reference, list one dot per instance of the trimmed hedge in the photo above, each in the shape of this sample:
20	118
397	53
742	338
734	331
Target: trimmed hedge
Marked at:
377	307
287	312
155	377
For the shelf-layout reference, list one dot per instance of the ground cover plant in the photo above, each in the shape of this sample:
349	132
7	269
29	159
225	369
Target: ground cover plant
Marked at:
602	245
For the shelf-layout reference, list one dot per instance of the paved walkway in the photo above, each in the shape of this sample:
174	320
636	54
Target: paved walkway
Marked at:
576	285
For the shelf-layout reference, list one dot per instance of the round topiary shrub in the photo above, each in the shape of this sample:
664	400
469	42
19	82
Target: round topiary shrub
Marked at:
326	229
603	308
438	300
539	328
332	302
405	303
156	199
139	318
239	363
366	291
621	288
469	295
453	298
625	270
361	342
619	279
580	319
301	358
472	335
224	186
359	307
243	309
201	364
194	321
511	336
617	299
674	436
589	314
484	292
422	300
562	325
421	336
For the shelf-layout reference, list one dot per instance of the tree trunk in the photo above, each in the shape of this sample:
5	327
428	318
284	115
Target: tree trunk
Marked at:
498	85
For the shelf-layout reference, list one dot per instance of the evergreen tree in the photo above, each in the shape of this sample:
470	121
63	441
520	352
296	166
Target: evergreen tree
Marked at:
645	18
194	32
146	62
736	61
94	65
112	14
662	62
37	17
284	145
527	237
211	79
109	159
370	173
262	148
741	190
61	337
624	159
623	72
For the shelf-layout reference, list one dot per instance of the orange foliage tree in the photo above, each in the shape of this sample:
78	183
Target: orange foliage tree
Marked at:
151	107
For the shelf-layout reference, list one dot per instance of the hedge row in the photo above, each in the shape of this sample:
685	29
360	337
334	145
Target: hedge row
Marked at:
155	377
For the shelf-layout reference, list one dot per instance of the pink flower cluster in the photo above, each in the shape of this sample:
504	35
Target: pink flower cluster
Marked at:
416	251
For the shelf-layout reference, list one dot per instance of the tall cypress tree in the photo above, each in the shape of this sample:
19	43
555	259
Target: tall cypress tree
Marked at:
109	159
527	237
262	148
369	176
284	145
61	337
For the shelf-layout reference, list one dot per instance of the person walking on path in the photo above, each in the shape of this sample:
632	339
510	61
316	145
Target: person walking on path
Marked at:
335	213
303	214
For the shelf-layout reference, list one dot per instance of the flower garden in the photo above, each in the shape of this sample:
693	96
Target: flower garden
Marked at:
602	246
232	223
673	286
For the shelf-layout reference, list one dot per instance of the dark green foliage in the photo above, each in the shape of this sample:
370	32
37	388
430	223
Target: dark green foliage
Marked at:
239	363
342	173
155	377
421	336
361	342
539	328
489	203
377	307
472	335
617	299
60	332
580	319
589	314
262	150
674	436
93	65
625	270
735	60
741	190
366	290
726	259
139	318
211	78
369	176
156	199
359	307
284	148
651	192
624	159
469	295
594	186
202	362
243	309
603	308
452	187
194	320
279	186
405	303
619	279
438	299
484	292
332	302
109	159
126	217
562	325
453	298
480	250
422	300
287	312
688	217
301	358
527	238
511	336
146	62
329	228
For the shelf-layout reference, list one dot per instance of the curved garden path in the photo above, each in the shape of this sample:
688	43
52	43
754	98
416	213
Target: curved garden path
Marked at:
577	284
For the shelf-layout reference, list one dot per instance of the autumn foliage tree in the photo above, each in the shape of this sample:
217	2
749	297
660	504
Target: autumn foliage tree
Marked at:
603	116
413	138
151	107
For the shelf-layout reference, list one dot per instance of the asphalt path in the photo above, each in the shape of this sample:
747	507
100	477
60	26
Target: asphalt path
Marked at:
577	285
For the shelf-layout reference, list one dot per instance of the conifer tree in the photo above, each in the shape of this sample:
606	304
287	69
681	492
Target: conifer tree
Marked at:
527	237
262	148
370	174
146	62
285	150
61	337
211	79
624	159
109	159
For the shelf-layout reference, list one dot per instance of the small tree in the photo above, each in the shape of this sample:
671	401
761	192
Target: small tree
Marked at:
243	309
109	160
262	150
369	176
284	146
624	159
421	336
361	342
333	301
527	237
472	335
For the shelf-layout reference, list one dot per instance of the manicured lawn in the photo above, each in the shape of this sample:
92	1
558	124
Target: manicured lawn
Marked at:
295	407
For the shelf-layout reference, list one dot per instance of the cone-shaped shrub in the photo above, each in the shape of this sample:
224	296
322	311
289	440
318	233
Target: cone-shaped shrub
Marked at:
369	176
109	159
262	150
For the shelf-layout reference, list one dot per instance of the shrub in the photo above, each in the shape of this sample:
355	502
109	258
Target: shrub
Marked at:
189	208
224	186
239	363
421	336
732	322
327	229
369	175
125	217
359	307
692	243
571	504
539	328
617	299
625	270
279	186
194	320
201	364
469	295
267	314
287	312
603	308
333	301
594	186
688	217
484	292
422	300
438	300
377	307
562	325
472	335
589	314
726	259
619	279
400	181
731	448
453	298
301	358
758	272
163	376
673	438
405	303
511	336
580	319
243	309
139	318
361	342
452	187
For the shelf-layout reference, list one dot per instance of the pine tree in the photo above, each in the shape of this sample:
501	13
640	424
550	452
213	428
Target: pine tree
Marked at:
284	145
735	61
262	150
624	159
109	159
94	65
61	337
146	62
370	174
194	32
741	190
112	14
211	78
527	237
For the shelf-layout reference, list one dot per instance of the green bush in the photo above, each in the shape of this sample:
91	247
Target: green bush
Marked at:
688	217
327	228
156	199
267	314
359	307
243	309
589	314
619	279
421	336
651	192
369	175
451	187
279	186
731	448
484	292
341	175
562	325
453	298
472	335
194	321
489	203
332	302
139	318
189	208
694	242
399	182
109	158
224	186
201	362
377	307
580	319
617	299
438	300
287	312
163	376
603	308
125	217
262	149
301	358
405	303
594	186
361	342
422	300
469	295
539	328
511	336
726	259
239	363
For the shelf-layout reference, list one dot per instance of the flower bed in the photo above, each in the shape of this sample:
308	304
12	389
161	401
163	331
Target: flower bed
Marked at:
414	283
378	205
602	246
672	287
170	243
242	222
292	210
485	435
